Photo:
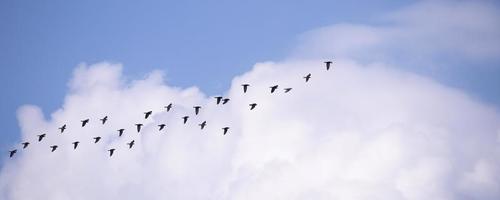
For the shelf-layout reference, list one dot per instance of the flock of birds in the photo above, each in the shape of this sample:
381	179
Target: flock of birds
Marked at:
219	100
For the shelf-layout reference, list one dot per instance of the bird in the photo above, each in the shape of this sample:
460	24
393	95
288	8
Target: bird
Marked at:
62	128
245	87
25	144
252	106
96	139
273	88
130	144
307	77
103	120
40	137
224	101
328	64
162	126
185	119
11	153
85	121
75	144
138	127
219	99
111	151
287	90
169	107
147	114
120	132
203	124
196	109
53	147
225	130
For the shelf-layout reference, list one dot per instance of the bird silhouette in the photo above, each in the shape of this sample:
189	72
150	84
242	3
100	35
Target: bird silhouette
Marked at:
252	106
273	88
85	121
96	139
53	147
307	77
161	126
219	99
224	101
203	124
169	107
25	144
62	128
287	90
245	87
225	130
131	144
40	137
138	127
11	153
75	144
120	132
147	114
196	109
185	119
111	151
103	120
328	64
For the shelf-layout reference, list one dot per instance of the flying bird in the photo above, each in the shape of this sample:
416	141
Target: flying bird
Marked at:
120	132
169	107
203	124
196	109
328	64
273	88
185	119
224	101
131	144
53	147
245	87
307	77
62	128
40	137
219	99
85	121
111	151
147	114
225	130
287	90
252	106
161	126
11	153
103	120
96	139
25	144
75	144
138	127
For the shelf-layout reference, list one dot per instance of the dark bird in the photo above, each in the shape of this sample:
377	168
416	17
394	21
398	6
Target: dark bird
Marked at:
62	128
225	130
138	127
25	144
147	114
85	121
252	106
103	120
219	99
328	64
273	88
185	119
54	147
111	151
224	101
245	87
131	144
11	153
196	109
40	137
203	124
75	144
120	132
287	90
161	126
96	139
169	107
307	77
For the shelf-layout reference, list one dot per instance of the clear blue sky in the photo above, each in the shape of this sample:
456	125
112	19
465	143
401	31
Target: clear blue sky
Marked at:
202	43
